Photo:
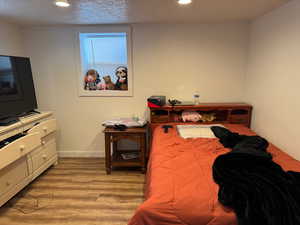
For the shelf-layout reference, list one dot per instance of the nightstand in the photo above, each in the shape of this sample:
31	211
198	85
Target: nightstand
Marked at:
115	157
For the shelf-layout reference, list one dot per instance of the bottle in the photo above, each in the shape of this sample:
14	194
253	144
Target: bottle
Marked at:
135	117
196	99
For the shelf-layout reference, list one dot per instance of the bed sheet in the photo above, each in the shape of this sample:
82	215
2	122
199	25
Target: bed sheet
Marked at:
180	189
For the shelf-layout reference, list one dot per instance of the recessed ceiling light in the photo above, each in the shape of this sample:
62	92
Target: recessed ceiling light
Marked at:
184	2
62	3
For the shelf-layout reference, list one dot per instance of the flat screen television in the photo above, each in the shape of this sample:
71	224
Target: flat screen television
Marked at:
17	93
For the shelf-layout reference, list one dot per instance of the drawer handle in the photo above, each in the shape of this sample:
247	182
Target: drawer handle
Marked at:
44	157
22	148
45	129
43	142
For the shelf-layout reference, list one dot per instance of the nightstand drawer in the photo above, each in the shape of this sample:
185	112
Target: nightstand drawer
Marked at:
18	149
44	128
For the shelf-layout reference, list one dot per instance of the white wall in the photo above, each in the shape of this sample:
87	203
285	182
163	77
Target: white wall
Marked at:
11	40
273	77
172	60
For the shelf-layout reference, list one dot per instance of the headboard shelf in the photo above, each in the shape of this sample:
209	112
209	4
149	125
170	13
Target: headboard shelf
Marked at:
236	113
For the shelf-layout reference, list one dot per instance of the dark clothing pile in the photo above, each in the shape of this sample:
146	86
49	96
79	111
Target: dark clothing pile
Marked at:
258	190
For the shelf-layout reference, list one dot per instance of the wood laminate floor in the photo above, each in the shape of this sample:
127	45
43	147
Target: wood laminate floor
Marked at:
76	192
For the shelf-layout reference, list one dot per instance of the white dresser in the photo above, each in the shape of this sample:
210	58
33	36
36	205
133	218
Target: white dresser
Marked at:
30	148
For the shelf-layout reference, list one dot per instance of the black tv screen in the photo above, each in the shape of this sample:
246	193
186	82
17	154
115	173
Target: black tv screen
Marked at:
17	94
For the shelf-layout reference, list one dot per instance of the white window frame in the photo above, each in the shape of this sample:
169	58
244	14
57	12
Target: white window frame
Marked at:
81	70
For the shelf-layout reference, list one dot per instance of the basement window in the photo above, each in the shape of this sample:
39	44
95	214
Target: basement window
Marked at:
105	64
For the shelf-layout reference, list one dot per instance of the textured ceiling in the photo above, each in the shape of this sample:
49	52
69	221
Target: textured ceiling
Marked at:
39	12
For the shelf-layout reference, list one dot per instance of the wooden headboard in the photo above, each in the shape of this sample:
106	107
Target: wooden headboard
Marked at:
236	113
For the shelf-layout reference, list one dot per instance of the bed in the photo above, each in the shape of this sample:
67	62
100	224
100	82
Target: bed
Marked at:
180	189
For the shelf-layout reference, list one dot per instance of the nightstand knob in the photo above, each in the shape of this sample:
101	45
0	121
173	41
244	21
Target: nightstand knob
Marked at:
44	157
45	129
43	142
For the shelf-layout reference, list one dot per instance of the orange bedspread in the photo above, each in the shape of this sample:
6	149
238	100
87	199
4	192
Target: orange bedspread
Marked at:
180	188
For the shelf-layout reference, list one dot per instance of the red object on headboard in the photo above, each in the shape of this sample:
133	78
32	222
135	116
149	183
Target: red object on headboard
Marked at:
151	105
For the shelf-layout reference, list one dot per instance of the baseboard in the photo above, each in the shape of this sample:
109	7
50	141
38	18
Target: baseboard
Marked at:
81	154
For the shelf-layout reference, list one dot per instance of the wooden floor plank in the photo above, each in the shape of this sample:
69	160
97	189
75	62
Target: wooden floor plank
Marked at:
77	191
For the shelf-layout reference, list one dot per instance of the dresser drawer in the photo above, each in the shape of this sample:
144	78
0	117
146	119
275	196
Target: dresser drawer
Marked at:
18	149
44	128
13	174
10	133
43	154
44	142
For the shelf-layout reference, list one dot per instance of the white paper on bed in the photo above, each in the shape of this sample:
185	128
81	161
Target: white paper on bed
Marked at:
196	131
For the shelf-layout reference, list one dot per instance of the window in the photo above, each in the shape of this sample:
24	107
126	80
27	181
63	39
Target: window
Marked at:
105	64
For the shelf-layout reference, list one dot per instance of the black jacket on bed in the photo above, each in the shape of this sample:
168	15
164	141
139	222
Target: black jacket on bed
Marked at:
256	188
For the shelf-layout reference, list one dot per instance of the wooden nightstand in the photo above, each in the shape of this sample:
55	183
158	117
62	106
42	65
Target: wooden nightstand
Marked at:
113	155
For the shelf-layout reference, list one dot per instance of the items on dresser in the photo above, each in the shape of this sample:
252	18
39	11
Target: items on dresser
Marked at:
8	120
196	99
27	148
156	101
128	122
236	113
120	127
174	102
191	116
